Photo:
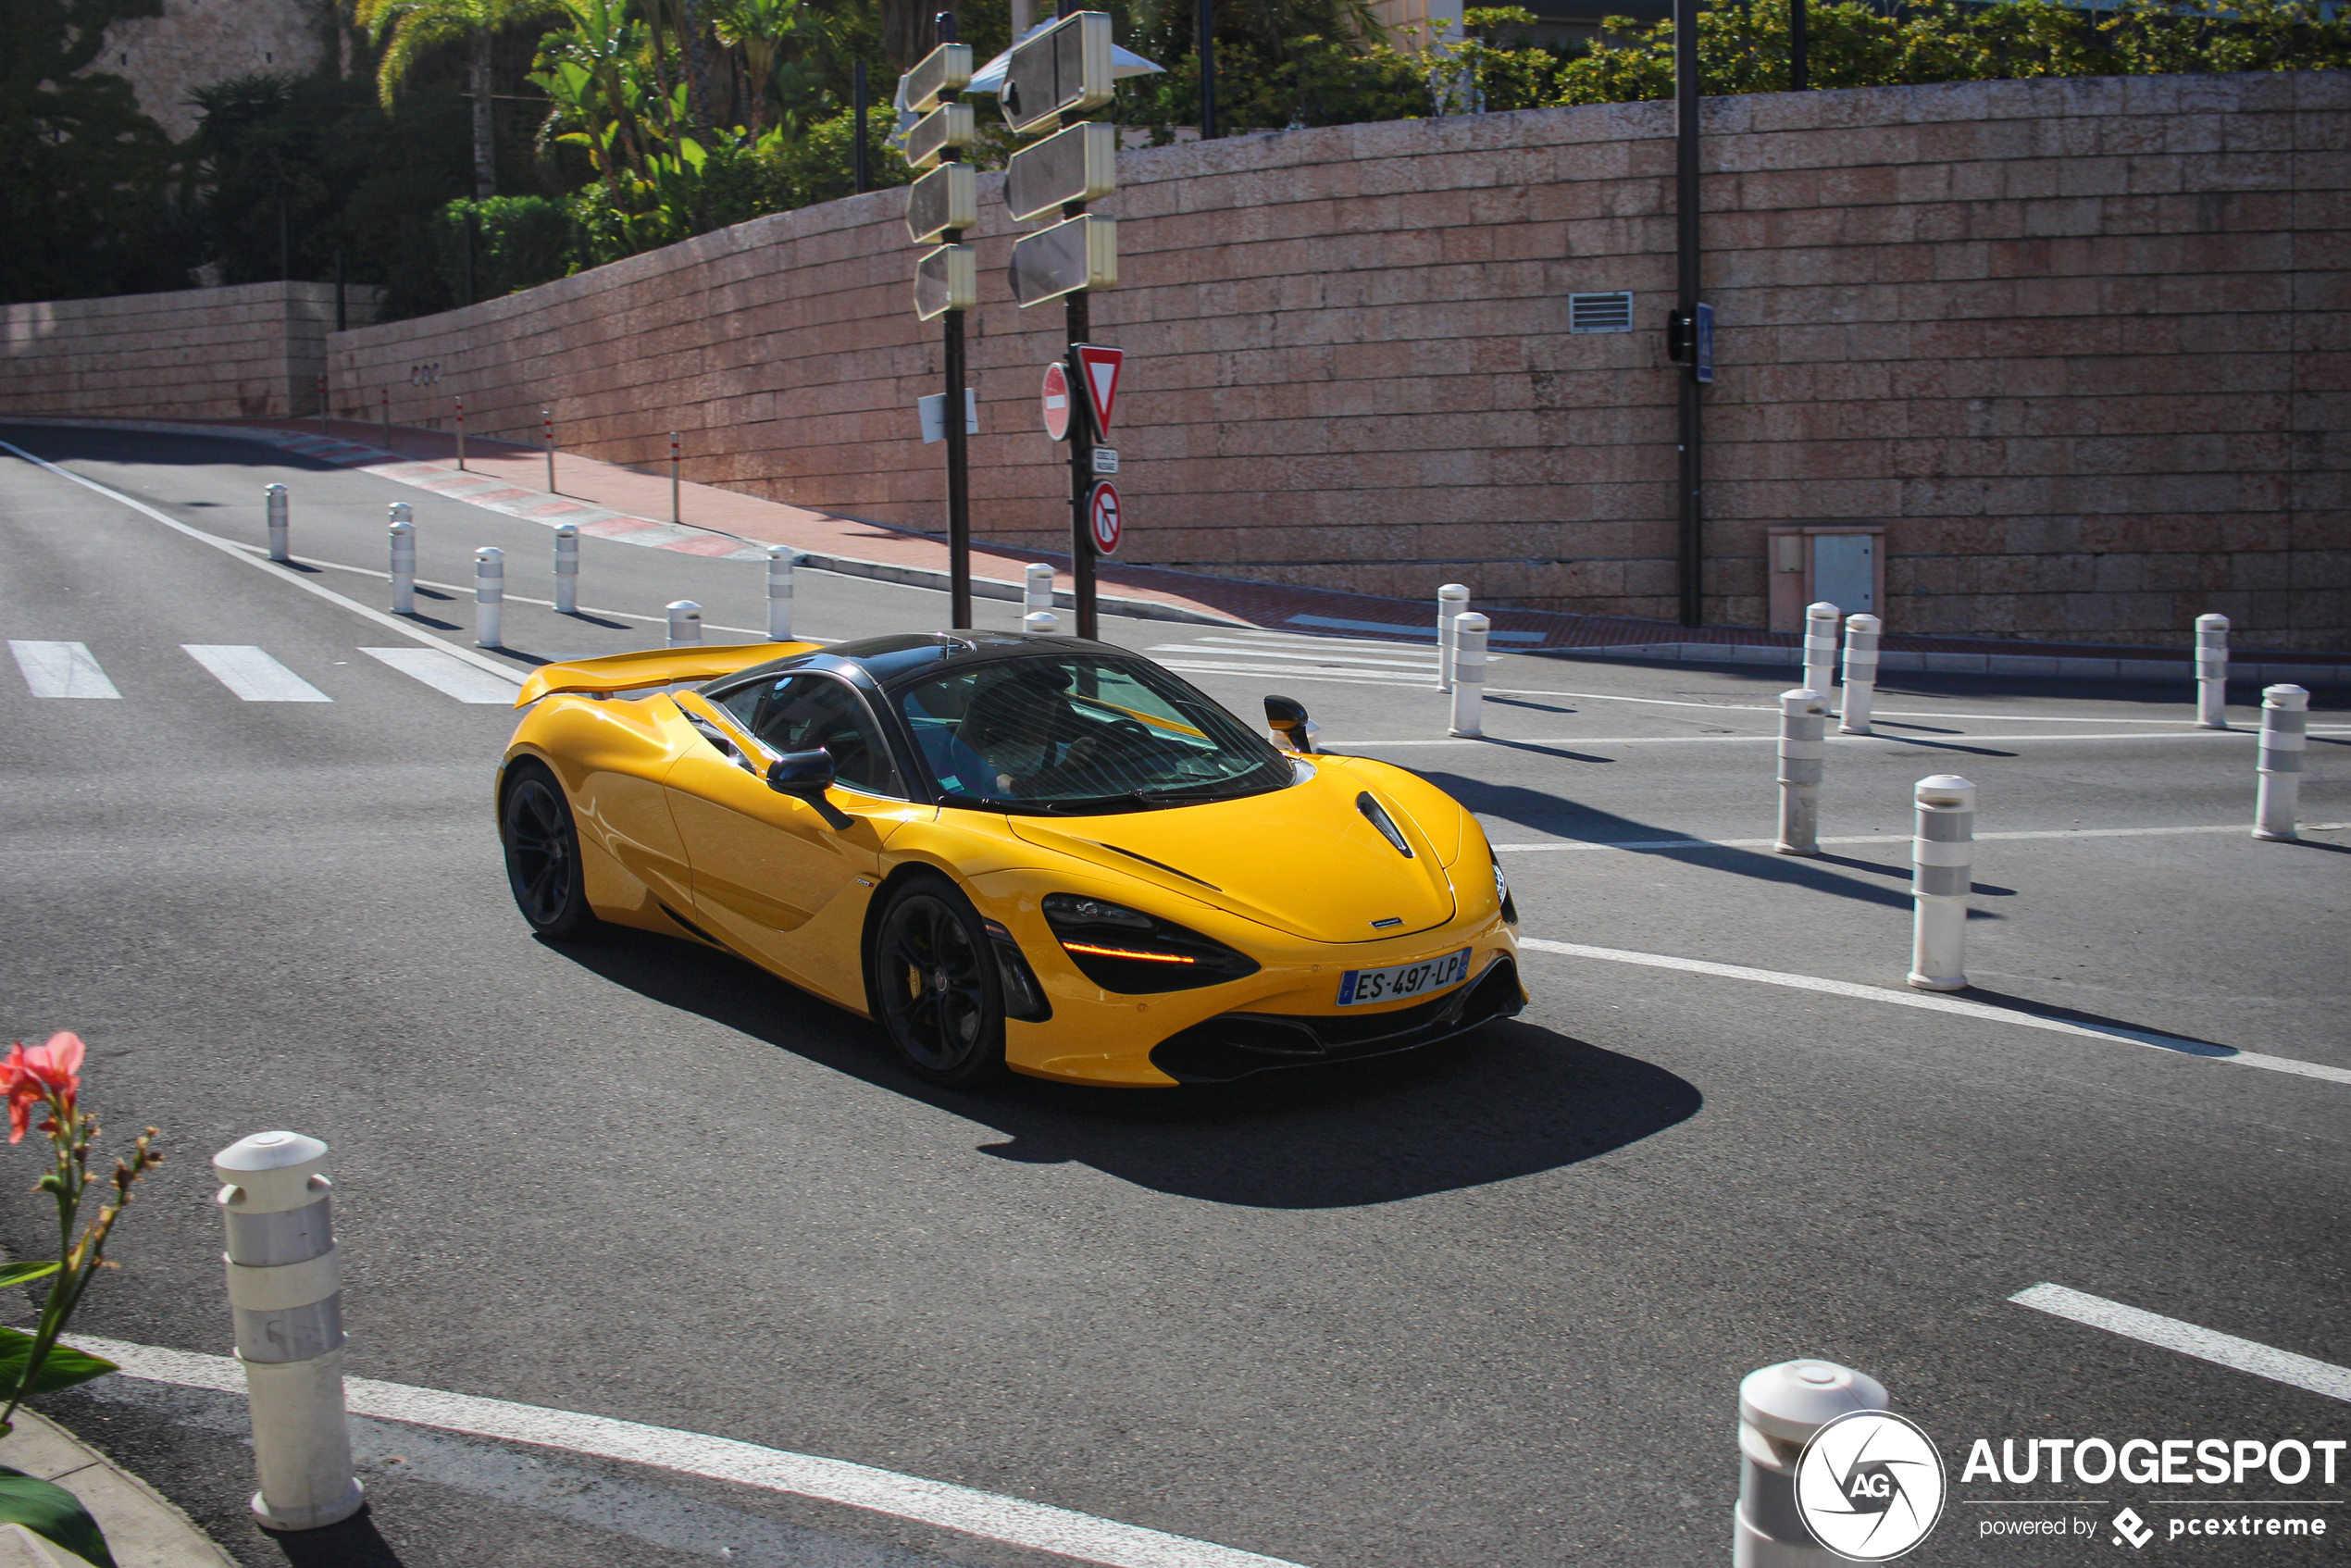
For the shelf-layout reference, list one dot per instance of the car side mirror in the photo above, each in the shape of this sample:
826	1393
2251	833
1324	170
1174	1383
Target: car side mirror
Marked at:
805	776
1286	717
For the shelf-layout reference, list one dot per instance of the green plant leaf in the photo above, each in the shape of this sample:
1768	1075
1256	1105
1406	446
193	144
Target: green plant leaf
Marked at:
61	1368
27	1272
53	1514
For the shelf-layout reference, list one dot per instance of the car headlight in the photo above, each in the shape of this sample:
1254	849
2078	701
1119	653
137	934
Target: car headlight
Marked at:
1502	894
1124	949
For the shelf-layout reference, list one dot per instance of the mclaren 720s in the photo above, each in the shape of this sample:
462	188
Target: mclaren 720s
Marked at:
1010	851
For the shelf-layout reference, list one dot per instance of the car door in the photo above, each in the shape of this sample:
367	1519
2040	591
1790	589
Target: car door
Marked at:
770	874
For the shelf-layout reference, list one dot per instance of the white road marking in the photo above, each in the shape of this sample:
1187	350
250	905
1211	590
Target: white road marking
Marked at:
62	669
1351	653
252	674
1931	1002
2241	828
443	673
1036	1526
1428	630
1958	738
1259	642
2205	1344
1287	673
235	551
1247	662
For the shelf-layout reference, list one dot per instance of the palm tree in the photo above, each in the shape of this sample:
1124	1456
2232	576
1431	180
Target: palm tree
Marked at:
417	25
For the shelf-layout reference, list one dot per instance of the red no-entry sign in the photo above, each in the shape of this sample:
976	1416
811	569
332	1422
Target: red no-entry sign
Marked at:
1056	400
1101	516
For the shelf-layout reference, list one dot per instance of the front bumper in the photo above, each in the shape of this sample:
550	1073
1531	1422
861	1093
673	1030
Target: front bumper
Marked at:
1099	1036
1234	1045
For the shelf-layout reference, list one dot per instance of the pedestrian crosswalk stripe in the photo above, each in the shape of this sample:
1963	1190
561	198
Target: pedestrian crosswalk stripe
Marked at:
62	669
450	676
253	675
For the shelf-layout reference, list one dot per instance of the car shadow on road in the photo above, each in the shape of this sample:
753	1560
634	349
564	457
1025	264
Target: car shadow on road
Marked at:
1511	1100
1573	820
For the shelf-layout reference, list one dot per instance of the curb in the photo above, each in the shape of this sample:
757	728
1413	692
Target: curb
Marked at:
142	1526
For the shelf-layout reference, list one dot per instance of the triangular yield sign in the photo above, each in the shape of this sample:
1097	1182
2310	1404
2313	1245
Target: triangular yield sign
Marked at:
1100	366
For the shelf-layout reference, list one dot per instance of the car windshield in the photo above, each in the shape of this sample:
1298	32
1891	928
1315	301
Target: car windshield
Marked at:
1076	733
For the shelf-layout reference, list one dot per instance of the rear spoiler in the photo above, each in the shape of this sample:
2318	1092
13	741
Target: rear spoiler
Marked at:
652	666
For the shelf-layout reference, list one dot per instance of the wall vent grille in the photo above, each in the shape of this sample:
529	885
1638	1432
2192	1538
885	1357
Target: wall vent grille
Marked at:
1599	313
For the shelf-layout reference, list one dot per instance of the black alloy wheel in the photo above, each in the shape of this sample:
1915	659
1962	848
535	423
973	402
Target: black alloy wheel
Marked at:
934	984
542	856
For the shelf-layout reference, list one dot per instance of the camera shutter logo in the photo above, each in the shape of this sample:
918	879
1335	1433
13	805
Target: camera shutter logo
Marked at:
1870	1485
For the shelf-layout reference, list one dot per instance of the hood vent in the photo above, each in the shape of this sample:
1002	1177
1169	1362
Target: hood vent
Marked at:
1377	816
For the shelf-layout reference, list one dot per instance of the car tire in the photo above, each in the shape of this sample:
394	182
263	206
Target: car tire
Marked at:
542	856
935	988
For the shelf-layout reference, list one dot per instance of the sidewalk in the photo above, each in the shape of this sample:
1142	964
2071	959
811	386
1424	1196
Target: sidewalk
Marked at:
143	1530
609	501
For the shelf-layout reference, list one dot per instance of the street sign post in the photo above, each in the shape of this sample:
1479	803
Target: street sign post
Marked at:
948	197
945	69
948	127
1078	165
940	206
1102	516
946	280
1063	71
1068	258
1057	403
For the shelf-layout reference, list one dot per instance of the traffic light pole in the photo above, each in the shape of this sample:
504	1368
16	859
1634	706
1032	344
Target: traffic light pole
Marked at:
1081	465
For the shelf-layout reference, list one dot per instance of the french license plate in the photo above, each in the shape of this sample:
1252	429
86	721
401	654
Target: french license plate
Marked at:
1430	975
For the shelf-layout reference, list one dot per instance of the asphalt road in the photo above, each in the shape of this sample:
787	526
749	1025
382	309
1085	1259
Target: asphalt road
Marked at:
1488	1305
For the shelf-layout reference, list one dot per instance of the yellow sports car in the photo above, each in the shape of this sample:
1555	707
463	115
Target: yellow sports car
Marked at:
1012	851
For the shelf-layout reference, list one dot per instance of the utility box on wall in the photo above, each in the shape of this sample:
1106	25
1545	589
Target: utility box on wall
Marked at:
1842	563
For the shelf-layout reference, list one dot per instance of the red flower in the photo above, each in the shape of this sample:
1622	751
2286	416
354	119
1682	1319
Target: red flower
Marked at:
49	1072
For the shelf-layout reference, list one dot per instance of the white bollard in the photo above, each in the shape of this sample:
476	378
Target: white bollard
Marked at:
2212	672
547	423
781	558
1780	1409
490	596
273	499
403	559
685	623
1042	623
2285	718
285	1291
1942	871
1804	717
1820	647
1469	670
1452	601
568	569
461	435
1860	674
387	414
677	506
1035	588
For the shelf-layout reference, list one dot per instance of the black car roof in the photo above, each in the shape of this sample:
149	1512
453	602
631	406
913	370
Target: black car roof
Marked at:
904	657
